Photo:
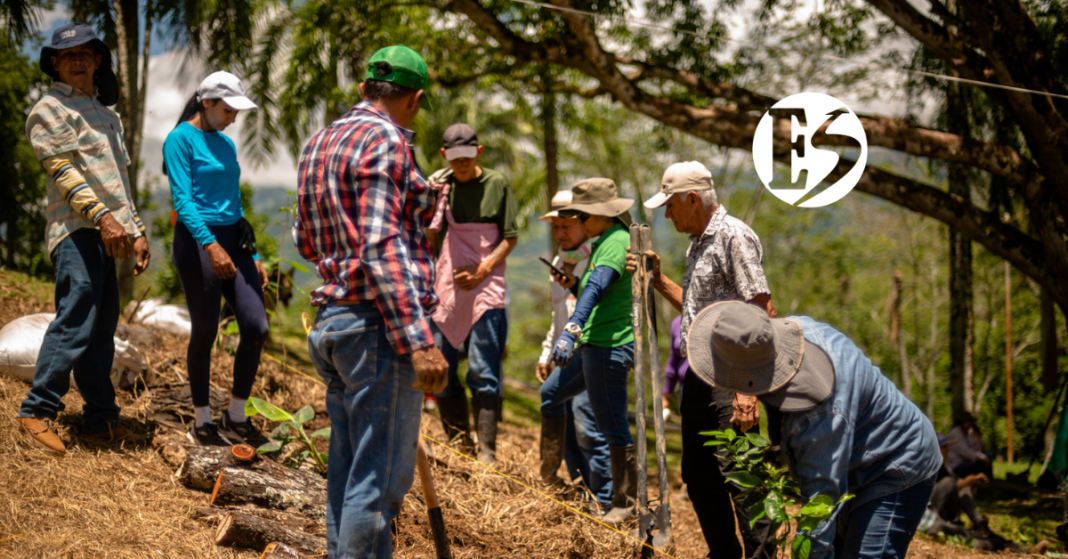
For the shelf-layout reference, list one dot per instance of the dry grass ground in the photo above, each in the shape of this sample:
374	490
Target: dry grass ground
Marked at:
122	502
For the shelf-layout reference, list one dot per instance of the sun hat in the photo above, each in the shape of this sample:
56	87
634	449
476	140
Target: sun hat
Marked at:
74	35
461	141
599	196
561	199
403	66
226	87
681	177
736	346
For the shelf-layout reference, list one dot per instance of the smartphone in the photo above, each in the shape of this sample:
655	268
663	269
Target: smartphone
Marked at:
551	267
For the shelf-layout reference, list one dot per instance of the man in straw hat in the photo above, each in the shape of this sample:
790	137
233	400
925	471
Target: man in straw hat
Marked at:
724	263
568	428
363	208
91	221
602	323
846	429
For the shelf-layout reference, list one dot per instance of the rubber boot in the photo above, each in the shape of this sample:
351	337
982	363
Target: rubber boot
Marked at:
624	485
454	419
553	430
487	410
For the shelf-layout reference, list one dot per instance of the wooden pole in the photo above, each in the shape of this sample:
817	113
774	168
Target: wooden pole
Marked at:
1008	358
433	508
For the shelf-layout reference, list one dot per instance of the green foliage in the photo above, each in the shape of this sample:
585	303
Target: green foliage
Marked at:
291	429
768	491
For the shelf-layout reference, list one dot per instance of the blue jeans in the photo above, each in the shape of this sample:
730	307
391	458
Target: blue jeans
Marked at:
586	450
603	373
374	419
82	335
485	351
883	527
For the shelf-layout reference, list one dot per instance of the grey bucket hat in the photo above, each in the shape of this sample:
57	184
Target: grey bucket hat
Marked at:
77	34
736	346
599	197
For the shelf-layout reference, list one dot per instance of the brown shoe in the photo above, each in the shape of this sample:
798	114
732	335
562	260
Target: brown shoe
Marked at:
117	433
42	433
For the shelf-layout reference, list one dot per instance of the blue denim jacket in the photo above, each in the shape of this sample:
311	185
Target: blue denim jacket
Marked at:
867	439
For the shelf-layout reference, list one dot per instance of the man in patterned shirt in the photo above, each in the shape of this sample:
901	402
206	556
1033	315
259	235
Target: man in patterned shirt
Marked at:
91	219
363	210
724	263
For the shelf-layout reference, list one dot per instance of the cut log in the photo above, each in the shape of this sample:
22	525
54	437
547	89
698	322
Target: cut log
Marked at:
236	486
203	464
254	532
276	550
295	521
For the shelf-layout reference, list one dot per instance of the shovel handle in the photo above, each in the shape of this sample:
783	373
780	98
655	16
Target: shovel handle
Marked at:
433	508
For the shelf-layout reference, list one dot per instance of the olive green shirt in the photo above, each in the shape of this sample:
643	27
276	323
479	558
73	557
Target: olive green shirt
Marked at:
485	199
610	324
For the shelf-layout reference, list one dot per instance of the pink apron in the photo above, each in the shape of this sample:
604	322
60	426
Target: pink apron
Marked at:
466	244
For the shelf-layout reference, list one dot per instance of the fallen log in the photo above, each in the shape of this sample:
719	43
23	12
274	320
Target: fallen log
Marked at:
278	550
202	465
255	532
236	486
295	521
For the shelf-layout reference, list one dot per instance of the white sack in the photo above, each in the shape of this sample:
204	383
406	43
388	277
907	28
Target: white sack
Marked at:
169	318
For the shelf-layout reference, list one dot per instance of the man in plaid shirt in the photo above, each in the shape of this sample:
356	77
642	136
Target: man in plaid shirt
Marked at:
363	209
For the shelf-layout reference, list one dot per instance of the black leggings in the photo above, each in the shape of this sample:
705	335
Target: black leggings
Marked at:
203	293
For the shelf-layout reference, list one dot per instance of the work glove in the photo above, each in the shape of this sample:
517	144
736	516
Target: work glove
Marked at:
246	237
562	351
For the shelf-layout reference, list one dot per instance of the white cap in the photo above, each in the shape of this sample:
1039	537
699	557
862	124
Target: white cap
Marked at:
560	199
681	177
228	88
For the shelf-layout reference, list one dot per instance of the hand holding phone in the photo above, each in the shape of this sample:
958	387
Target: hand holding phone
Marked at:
563	279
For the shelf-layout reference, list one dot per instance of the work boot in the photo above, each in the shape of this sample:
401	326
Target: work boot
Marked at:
42	433
454	419
118	432
624	485
487	410
553	430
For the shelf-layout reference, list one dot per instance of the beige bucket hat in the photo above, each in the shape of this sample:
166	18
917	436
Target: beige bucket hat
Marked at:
599	196
736	346
560	199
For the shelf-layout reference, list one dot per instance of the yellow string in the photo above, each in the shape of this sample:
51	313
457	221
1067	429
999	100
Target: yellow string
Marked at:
294	369
550	497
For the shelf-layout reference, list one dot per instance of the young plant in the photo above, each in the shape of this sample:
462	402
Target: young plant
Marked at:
768	491
291	429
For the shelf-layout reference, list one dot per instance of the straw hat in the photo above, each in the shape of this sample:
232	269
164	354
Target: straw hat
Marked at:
599	197
736	346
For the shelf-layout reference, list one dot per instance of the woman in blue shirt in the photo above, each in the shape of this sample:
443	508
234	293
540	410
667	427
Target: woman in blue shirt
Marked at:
213	254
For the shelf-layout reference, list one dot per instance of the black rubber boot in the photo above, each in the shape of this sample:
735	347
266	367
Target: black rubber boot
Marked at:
487	410
553	430
454	419
624	485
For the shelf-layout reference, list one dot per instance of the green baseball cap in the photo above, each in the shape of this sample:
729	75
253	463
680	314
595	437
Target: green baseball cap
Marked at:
403	66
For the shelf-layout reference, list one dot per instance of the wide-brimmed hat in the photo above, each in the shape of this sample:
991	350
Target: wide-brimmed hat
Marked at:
736	346
561	199
599	197
77	34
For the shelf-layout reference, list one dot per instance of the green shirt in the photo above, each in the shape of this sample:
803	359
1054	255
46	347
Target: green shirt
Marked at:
610	323
485	199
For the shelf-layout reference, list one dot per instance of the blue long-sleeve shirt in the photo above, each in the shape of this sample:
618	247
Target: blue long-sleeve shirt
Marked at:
205	179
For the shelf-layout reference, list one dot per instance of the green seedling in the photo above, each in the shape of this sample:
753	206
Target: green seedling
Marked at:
291	429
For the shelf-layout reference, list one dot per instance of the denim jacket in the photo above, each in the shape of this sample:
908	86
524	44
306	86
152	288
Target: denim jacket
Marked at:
867	439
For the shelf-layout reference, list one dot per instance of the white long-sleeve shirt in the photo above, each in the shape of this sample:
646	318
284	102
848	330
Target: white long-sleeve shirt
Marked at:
563	300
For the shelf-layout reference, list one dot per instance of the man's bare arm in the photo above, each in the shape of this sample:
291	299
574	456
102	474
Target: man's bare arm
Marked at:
497	257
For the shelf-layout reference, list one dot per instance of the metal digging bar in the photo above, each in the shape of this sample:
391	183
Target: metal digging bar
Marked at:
644	314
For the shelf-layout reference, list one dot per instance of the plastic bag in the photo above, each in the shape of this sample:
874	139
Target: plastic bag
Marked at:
169	318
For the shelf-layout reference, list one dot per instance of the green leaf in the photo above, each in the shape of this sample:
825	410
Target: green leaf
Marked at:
745	479
270	411
297	265
730	435
773	506
305	414
250	410
821	506
801	547
324	457
754	516
269	447
808	523
757	440
712	434
715	443
324	433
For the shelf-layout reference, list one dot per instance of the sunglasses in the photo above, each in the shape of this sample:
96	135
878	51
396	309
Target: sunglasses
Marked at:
575	214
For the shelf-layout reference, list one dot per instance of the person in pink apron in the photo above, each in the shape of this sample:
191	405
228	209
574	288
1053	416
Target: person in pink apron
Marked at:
476	227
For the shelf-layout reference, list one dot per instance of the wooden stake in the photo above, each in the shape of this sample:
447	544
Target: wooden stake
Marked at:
1008	358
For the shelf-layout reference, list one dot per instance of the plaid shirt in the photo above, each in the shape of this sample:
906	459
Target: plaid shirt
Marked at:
67	121
363	210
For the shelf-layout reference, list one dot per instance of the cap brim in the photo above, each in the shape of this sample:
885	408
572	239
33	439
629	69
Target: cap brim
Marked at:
656	201
458	152
241	103
789	351
549	216
611	208
425	103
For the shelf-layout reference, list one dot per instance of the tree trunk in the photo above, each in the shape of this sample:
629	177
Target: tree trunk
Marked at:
290	493
548	121
1049	343
245	530
294	521
201	467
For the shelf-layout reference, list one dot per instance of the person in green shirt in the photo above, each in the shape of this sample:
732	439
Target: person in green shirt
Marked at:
477	226
601	322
